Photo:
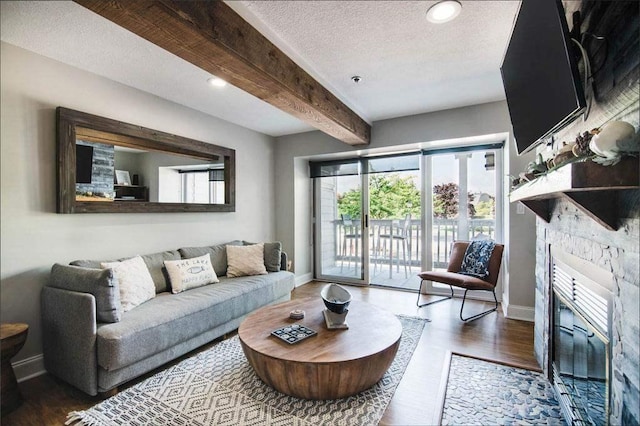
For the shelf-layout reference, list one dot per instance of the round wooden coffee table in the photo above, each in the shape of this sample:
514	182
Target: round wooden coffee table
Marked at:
330	365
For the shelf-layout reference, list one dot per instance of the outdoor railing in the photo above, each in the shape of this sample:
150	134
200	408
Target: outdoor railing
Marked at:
445	231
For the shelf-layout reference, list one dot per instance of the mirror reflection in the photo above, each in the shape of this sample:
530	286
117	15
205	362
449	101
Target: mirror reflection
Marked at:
106	172
109	166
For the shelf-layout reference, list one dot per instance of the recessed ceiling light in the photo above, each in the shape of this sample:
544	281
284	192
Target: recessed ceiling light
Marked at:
356	79
443	11
217	82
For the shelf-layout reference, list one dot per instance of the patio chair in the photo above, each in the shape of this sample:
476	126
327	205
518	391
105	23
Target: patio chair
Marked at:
351	238
400	235
452	277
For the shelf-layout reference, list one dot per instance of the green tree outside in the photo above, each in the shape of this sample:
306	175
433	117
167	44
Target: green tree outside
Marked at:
392	197
486	209
445	201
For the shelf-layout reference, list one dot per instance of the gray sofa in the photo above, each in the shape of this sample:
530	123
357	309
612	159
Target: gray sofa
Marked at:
97	356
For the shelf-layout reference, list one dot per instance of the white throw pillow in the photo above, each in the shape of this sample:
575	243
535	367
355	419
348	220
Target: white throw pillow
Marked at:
134	280
190	273
245	260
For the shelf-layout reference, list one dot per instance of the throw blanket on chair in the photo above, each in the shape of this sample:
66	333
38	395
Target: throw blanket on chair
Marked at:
476	259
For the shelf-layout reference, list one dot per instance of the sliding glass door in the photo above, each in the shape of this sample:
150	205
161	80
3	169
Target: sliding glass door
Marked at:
464	202
381	220
395	221
341	231
367	220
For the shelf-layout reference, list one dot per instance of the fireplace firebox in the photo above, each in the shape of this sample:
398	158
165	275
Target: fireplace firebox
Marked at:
580	349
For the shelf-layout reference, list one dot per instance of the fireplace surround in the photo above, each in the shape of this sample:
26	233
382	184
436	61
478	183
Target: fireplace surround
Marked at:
603	256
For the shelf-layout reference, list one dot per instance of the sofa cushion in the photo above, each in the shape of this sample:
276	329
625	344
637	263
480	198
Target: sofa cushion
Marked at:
101	283
245	260
190	273
272	255
170	319
154	262
218	255
134	282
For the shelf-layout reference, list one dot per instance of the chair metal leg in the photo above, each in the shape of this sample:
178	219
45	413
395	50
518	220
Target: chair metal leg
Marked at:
404	256
353	254
481	314
433	301
390	256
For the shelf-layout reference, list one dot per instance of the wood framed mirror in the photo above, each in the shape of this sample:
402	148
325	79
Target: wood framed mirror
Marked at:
108	166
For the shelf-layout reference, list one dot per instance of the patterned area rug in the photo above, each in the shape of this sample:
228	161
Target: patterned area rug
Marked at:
485	393
219	387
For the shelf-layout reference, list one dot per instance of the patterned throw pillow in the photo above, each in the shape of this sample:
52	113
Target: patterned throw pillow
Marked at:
476	259
136	284
190	273
218	254
245	260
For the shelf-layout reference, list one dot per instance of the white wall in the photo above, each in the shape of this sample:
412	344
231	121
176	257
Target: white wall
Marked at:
293	222
34	237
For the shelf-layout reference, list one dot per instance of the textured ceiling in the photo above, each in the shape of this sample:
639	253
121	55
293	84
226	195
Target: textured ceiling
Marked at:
408	65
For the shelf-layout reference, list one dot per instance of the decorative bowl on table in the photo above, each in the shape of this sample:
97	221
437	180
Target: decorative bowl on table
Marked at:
336	298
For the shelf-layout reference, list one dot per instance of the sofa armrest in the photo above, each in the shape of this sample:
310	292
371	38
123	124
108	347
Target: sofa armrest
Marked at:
283	261
101	283
69	337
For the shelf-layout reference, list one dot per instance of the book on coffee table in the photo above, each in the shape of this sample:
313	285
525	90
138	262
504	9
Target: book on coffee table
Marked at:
293	333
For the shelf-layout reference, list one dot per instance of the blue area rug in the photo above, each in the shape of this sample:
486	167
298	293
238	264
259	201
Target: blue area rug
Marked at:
485	393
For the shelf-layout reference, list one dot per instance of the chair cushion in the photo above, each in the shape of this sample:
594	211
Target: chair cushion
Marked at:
455	279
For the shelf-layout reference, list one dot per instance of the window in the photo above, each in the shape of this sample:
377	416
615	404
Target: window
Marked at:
202	186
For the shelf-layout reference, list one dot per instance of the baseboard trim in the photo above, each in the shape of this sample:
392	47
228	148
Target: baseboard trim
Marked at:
303	279
29	368
522	313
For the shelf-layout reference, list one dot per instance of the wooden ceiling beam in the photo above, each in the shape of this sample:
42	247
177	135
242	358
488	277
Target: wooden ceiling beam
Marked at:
210	35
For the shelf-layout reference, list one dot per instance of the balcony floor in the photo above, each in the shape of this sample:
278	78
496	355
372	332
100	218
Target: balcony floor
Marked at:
380	275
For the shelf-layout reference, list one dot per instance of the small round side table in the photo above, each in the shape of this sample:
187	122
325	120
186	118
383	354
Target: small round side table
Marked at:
13	337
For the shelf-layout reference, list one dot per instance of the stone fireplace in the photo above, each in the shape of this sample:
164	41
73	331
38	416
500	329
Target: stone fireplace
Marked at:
587	323
608	256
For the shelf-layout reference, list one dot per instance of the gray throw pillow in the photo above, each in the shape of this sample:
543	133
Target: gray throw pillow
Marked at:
218	255
272	254
154	262
102	283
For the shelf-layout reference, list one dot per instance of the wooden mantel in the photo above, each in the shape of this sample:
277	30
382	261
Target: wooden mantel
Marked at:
589	186
210	35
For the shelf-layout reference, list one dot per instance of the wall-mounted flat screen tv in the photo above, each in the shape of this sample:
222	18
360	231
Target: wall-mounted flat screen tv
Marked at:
84	163
540	74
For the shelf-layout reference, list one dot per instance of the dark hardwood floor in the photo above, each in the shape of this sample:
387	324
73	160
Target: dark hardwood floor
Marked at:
47	400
